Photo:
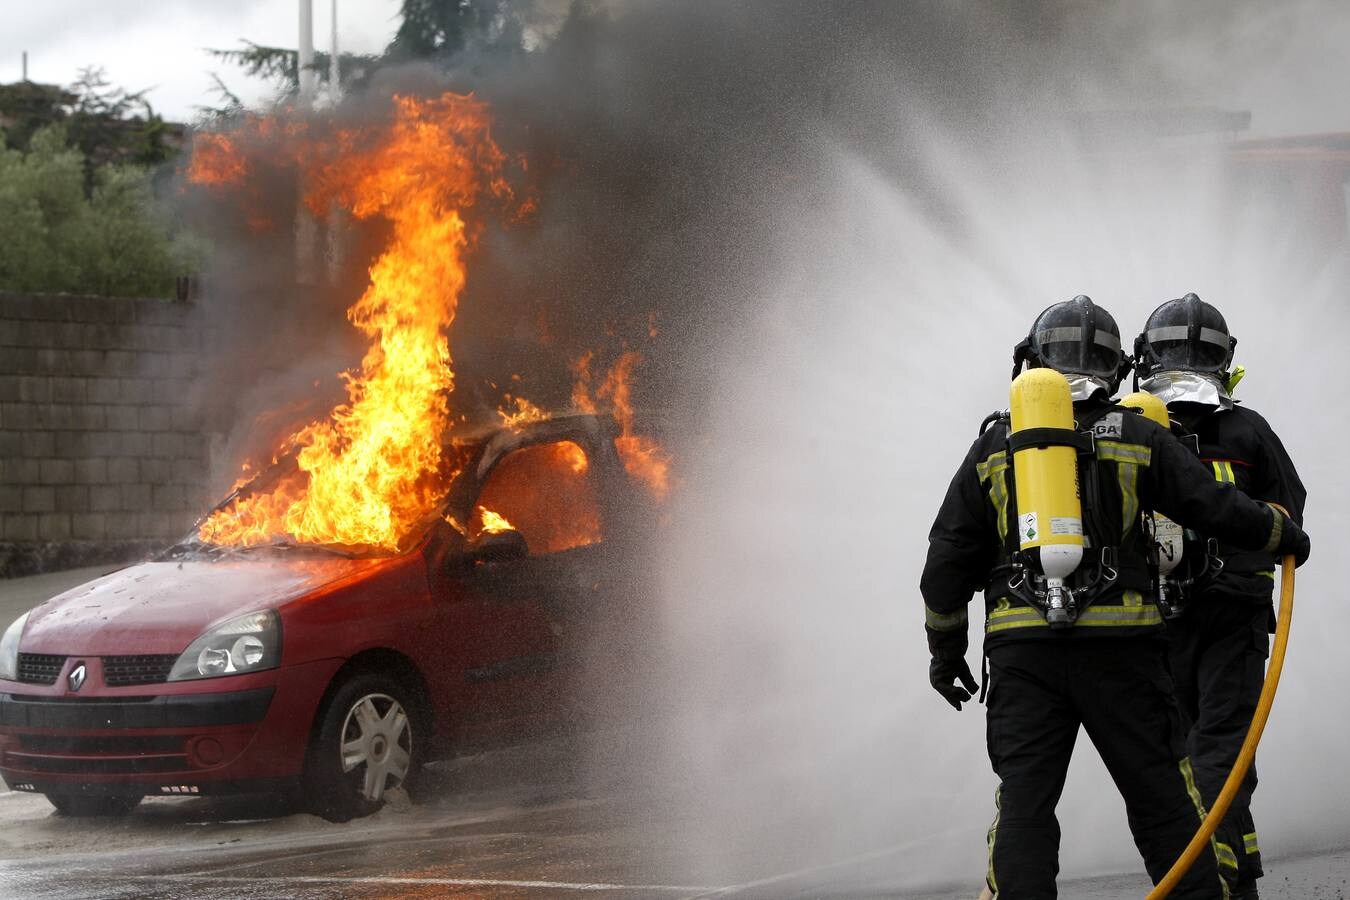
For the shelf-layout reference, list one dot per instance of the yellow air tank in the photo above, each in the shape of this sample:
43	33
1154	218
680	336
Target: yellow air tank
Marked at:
1168	536
1049	514
1149	405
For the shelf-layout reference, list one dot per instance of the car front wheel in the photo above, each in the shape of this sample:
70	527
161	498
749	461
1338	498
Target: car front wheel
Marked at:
365	747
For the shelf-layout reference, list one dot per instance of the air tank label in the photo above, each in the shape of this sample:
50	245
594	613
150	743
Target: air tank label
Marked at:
1029	527
1065	525
1108	426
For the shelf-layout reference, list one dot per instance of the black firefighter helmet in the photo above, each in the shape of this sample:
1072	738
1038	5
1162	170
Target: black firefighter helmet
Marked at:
1076	337
1186	335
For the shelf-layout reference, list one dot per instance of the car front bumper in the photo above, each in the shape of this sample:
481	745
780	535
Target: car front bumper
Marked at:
227	735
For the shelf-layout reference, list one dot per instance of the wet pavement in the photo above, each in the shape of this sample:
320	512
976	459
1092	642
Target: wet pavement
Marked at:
528	822
505	842
484	829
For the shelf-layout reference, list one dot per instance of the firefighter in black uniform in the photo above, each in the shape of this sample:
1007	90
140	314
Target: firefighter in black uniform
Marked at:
1107	672
1220	637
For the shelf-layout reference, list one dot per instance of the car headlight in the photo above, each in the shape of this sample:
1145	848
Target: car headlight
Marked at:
9	649
247	643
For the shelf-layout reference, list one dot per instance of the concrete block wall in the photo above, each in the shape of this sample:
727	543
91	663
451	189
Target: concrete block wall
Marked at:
102	451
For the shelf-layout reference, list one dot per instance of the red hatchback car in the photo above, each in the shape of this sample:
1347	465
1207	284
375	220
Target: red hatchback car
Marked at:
333	676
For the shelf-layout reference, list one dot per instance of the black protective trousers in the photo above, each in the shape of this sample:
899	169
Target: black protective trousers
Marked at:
1219	650
1119	691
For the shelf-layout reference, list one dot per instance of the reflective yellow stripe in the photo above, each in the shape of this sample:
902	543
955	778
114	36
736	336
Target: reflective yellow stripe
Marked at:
1227	858
1223	471
1115	451
1270	575
992	470
944	621
1249	844
1127	474
993	833
1128	458
1017	617
1188	777
1119	616
992	462
1132	613
1276	530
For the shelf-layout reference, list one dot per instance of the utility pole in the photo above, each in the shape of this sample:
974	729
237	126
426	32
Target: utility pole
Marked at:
306	61
25	61
334	75
336	221
306	231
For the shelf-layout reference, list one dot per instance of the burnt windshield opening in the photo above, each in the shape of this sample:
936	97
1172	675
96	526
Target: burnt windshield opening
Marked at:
284	482
560	447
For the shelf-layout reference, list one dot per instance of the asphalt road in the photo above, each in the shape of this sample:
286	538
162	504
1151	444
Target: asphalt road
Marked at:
499	843
519	823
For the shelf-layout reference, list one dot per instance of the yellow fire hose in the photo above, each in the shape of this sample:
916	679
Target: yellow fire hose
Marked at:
1200	842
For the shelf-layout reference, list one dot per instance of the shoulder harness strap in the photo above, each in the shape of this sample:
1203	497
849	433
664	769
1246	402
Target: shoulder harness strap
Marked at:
992	418
1051	437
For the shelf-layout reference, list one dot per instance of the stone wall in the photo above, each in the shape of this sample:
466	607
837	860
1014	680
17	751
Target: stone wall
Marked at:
102	452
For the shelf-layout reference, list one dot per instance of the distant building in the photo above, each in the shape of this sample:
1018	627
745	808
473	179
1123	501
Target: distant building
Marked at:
1307	178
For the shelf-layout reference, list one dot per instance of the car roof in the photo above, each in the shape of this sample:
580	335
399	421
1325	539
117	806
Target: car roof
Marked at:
588	429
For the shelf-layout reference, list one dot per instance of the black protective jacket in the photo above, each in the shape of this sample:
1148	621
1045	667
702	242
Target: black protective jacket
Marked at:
1136	466
1237	445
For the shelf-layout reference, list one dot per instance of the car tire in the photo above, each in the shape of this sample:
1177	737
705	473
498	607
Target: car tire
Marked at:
368	742
89	805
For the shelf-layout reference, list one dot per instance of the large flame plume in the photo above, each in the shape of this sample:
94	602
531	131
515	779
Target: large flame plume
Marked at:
367	474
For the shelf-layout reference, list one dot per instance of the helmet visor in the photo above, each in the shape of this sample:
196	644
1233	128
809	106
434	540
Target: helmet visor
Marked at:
1085	352
1176	350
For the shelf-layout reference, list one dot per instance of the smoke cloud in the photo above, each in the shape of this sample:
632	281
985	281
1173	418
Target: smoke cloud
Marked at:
840	218
855	214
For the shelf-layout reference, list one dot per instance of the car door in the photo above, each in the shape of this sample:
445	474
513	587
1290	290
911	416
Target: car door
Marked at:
534	536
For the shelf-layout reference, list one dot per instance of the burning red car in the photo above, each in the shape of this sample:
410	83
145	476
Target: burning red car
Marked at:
323	670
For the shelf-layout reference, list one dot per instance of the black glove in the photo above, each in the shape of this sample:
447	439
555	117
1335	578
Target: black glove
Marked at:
944	671
1293	540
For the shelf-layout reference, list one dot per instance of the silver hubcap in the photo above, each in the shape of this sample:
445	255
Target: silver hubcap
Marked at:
378	736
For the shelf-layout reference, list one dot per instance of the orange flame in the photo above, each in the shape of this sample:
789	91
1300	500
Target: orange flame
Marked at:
366	474
493	523
564	516
572	456
216	160
524	413
643	458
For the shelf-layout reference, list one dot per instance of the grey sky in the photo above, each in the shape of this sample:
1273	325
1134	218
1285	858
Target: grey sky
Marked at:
158	43
1285	62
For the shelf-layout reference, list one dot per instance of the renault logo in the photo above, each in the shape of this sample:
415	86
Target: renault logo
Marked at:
76	677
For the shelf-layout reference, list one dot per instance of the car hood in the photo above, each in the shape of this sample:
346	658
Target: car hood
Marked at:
161	607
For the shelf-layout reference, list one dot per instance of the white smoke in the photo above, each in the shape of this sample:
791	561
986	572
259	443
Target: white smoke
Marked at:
804	729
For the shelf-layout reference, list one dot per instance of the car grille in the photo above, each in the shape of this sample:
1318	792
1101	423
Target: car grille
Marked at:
110	754
96	765
40	668
106	744
120	671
